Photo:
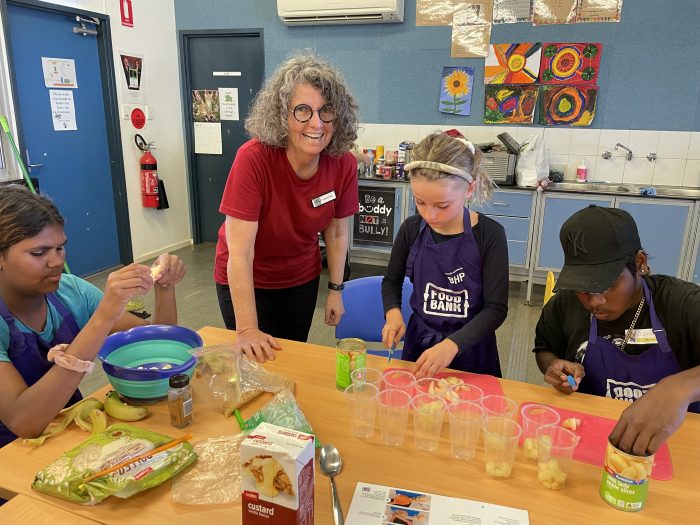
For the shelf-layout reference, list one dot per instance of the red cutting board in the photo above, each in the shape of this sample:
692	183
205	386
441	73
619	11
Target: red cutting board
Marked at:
489	384
594	432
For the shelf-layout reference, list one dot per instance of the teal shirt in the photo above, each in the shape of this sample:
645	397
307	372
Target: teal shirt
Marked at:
79	297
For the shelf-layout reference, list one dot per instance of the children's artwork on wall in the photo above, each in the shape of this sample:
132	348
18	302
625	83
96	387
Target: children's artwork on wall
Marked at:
512	63
504	104
570	63
567	105
456	90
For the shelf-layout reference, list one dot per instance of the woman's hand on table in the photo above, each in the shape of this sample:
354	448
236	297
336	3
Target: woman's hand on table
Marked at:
167	270
559	369
334	308
394	328
435	358
651	419
256	345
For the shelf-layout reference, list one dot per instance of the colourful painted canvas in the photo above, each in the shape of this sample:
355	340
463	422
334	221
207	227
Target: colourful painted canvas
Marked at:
456	90
570	63
512	63
504	104
567	105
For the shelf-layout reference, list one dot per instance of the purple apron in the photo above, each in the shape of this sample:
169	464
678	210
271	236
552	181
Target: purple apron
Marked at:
27	351
447	294
610	372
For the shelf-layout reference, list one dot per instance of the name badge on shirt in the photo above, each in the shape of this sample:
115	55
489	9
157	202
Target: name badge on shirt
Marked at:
323	199
643	336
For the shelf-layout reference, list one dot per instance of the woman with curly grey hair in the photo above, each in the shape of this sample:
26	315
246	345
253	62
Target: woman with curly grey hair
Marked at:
295	178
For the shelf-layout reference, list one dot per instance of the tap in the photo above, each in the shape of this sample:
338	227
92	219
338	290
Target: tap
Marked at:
628	156
651	157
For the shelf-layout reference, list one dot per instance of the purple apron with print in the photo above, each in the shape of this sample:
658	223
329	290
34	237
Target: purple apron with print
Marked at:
447	294
27	352
610	372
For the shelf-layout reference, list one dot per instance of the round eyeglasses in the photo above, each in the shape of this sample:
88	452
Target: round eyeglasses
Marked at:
304	113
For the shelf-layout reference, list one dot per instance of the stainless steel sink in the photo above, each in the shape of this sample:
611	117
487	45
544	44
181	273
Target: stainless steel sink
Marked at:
601	187
669	191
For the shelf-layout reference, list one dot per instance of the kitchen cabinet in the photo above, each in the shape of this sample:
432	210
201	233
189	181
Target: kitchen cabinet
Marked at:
664	229
513	209
556	209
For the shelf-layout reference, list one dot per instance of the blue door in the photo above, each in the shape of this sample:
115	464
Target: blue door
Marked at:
74	166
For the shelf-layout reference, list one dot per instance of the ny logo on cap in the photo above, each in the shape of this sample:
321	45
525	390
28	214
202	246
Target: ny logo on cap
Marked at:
577	242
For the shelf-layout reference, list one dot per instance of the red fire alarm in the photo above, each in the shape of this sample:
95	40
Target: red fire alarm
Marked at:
138	118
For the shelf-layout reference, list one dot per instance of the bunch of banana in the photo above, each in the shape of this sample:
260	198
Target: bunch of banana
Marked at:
81	413
117	409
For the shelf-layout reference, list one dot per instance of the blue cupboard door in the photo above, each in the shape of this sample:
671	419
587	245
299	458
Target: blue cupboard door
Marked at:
662	231
696	271
556	210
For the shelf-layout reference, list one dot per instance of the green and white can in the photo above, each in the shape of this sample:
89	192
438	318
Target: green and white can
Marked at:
625	482
350	354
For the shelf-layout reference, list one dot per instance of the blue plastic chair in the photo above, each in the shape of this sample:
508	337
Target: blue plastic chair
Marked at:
364	312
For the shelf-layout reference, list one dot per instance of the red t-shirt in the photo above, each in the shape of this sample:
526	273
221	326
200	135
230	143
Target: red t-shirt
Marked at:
263	187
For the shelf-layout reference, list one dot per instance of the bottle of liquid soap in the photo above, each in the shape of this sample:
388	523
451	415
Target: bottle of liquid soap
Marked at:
582	171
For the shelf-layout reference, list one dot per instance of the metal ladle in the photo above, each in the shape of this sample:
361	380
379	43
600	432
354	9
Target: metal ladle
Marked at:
331	465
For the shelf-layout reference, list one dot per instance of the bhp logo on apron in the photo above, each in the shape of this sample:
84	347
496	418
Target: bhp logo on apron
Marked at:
445	302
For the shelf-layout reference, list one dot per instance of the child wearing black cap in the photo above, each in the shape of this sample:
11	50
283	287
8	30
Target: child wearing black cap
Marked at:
620	331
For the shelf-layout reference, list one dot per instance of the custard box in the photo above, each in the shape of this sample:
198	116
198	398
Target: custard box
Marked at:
277	476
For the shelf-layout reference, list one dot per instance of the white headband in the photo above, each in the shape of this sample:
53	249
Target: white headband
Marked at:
439	166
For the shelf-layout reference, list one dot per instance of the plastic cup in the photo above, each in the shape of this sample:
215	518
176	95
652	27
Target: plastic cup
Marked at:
501	435
393	415
555	452
533	417
362	403
499	406
399	380
431	385
465	423
465	392
428	415
370	376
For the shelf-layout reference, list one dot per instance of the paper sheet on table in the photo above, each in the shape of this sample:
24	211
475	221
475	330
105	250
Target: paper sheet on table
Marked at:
471	29
554	12
377	504
434	12
599	10
512	11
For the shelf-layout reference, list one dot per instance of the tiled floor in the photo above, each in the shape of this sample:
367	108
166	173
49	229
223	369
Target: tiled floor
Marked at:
198	307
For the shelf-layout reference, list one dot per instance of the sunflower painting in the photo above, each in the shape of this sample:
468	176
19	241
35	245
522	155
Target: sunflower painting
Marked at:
456	90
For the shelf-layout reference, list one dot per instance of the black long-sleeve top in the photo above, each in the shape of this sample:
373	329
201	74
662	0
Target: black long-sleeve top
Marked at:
491	241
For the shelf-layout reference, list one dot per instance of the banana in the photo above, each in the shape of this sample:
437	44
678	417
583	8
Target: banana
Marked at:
82	417
119	410
99	421
72	413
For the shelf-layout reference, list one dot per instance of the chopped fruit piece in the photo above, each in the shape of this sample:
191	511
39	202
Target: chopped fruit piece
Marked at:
572	423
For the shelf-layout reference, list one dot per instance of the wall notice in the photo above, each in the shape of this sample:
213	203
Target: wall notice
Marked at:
374	224
62	110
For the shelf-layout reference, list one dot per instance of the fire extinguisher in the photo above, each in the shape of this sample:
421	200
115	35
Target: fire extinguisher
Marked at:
149	174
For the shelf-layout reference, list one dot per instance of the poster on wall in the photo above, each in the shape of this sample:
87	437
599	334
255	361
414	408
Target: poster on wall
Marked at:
374	224
567	105
59	73
434	12
599	10
127	13
471	30
62	110
132	65
512	11
504	104
456	90
228	103
513	63
207	121
564	63
554	12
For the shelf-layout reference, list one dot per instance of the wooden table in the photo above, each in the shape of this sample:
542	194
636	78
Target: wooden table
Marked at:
23	510
313	369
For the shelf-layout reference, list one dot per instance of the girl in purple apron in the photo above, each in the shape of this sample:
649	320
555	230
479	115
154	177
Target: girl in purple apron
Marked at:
445	264
41	308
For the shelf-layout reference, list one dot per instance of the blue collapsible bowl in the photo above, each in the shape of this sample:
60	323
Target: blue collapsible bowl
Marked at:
140	361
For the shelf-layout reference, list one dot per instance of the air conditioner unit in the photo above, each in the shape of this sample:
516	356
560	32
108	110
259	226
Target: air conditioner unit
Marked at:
316	12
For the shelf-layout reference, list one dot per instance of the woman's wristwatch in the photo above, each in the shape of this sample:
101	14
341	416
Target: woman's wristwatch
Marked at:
336	287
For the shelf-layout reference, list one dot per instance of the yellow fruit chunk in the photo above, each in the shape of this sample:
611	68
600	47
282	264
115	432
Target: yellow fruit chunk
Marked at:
571	423
550	474
498	469
530	448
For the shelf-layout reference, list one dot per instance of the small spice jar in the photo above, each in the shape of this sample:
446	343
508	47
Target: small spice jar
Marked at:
180	400
351	354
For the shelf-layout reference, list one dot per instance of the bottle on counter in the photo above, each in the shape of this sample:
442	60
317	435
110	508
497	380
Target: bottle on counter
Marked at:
582	171
180	400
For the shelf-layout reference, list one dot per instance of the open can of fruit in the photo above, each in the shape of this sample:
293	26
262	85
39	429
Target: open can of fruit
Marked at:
350	354
625	482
